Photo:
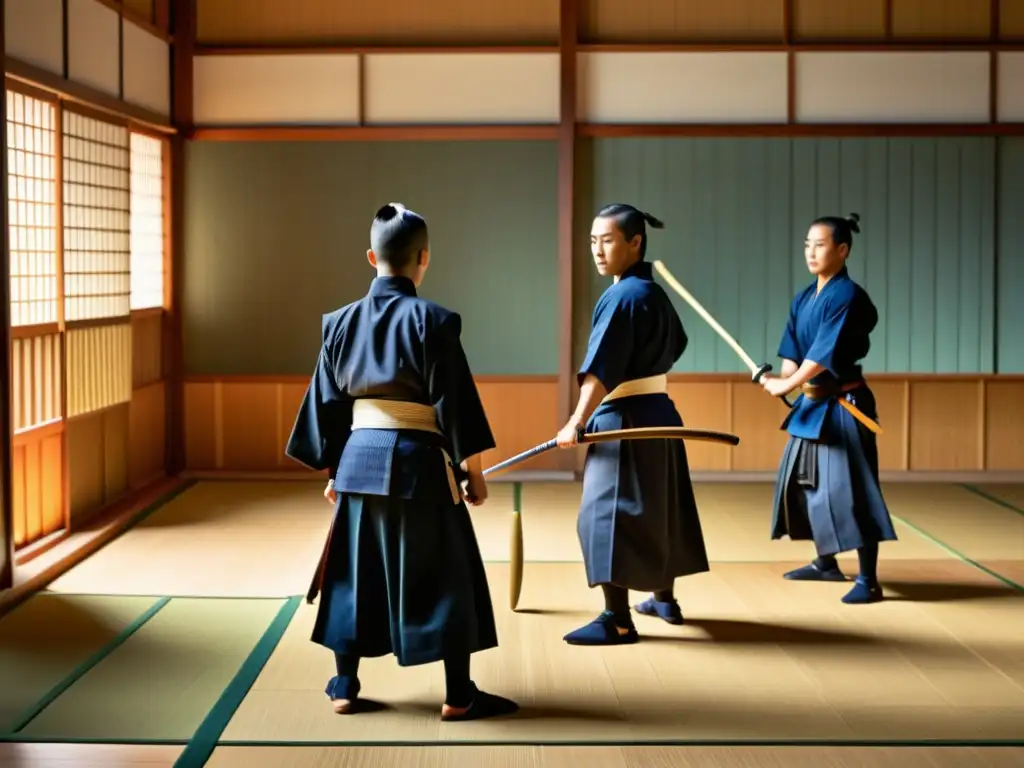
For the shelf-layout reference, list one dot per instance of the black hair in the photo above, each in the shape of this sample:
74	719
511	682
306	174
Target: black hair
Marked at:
843	228
397	236
631	222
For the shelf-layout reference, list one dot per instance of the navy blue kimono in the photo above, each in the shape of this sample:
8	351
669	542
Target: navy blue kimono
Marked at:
828	489
638	524
402	571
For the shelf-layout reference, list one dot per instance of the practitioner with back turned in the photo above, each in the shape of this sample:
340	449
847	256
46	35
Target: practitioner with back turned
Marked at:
391	409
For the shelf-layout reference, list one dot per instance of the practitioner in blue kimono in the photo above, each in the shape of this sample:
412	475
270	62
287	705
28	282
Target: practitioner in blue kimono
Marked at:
391	409
638	524
828	489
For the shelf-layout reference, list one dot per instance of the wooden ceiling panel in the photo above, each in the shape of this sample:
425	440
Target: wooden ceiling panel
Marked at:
676	21
1011	19
385	22
941	19
853	20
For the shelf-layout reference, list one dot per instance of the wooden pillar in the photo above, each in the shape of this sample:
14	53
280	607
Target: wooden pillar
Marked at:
183	24
567	389
6	506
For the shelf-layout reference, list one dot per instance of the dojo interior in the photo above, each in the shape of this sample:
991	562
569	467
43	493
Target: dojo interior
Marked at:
189	187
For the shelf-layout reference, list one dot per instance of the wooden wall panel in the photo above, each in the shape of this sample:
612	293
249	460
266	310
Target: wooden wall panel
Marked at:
147	426
94	49
941	19
458	88
99	362
147	349
905	87
34	33
142	8
306	89
1011	19
682	87
391	22
243	425
97	460
858	20
930	424
706	405
1004	425
1011	87
892	400
37	484
679	20
147	70
946	422
36	378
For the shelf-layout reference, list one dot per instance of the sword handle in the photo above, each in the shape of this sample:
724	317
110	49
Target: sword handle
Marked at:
759	374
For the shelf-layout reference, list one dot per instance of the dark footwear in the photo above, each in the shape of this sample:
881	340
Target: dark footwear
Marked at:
484	705
344	694
669	612
604	630
863	593
811	572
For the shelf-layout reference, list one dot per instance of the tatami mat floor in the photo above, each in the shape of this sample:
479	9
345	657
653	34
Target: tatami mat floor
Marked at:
760	659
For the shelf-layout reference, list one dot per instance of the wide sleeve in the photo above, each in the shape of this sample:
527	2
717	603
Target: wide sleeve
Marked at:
611	342
789	349
828	340
453	392
323	423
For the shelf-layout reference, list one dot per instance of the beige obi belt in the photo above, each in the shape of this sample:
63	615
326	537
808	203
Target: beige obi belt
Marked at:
396	414
651	385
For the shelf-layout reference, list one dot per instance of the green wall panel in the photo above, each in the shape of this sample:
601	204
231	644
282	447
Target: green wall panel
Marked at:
276	235
1010	291
736	213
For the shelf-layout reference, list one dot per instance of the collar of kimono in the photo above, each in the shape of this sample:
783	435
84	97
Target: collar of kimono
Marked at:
392	284
641	269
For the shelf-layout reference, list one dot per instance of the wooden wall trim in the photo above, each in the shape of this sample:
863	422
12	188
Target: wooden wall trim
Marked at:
597	130
739	46
378	133
184	20
797	130
568	35
84	95
806	46
948	424
319	48
6	499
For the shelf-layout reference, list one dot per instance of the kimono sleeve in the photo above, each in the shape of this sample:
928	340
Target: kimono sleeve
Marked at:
828	340
789	348
611	342
453	392
323	423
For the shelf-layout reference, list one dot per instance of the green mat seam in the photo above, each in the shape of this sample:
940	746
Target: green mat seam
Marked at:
206	737
83	669
959	555
993	498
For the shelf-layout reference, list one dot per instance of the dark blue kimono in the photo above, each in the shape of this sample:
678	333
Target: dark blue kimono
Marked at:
638	523
402	571
828	489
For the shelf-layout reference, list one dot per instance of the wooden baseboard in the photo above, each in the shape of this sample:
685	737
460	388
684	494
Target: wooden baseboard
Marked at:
75	547
965	425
